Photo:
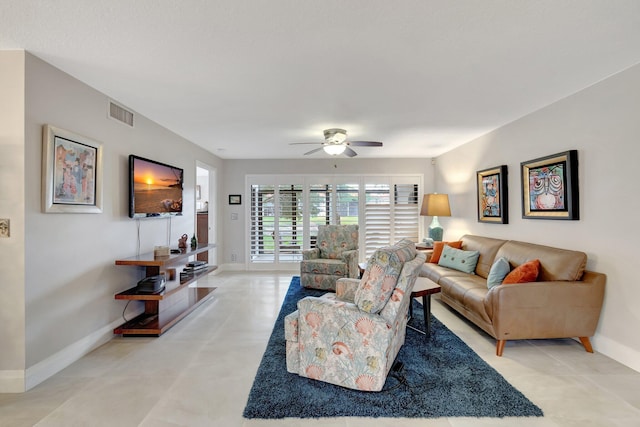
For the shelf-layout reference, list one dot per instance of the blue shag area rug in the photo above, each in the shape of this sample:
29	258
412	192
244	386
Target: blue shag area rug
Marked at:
441	377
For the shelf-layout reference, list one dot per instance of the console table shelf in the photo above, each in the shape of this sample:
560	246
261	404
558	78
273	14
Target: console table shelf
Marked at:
178	299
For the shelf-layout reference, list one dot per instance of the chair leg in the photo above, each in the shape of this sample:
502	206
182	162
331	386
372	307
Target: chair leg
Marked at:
500	347
587	344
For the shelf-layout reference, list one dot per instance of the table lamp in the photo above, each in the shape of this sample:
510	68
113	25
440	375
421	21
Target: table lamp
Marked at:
435	205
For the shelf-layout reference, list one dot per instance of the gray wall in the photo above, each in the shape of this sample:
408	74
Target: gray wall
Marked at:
602	123
12	261
70	275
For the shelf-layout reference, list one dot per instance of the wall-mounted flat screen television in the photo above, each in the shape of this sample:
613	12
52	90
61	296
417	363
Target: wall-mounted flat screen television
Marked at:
155	189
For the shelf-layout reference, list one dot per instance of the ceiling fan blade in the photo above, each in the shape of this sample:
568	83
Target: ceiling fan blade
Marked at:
305	143
365	143
349	152
313	151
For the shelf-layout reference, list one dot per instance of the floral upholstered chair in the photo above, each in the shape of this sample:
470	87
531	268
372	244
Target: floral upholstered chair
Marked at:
335	256
351	338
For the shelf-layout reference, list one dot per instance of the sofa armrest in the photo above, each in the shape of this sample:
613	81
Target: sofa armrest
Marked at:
554	309
351	259
346	289
313	253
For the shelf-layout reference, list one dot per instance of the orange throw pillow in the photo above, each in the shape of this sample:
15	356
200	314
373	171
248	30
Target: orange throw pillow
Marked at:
527	272
438	246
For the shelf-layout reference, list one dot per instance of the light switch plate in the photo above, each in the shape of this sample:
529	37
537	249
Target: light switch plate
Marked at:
4	227
234	216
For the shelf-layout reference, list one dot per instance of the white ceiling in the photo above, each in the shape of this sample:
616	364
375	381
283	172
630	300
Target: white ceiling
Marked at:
243	79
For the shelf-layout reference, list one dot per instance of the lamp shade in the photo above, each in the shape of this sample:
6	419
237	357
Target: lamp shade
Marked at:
435	205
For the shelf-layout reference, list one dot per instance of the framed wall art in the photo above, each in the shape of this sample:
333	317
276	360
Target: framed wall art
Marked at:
493	195
235	199
550	187
71	172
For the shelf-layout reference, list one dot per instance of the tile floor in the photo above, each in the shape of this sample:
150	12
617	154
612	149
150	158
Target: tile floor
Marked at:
200	372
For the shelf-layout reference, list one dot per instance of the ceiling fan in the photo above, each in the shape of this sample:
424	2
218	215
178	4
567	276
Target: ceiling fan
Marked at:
335	143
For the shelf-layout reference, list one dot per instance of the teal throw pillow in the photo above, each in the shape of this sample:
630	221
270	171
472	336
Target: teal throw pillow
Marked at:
498	272
458	259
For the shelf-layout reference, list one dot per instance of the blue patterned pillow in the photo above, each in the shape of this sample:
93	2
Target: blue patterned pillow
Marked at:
498	272
458	259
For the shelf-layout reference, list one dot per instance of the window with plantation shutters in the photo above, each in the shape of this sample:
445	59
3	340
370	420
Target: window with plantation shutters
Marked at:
284	218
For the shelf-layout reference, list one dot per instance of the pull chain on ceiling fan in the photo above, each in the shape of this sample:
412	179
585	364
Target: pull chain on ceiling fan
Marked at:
335	143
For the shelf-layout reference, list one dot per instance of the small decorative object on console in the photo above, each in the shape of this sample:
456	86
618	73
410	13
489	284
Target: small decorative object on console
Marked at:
182	241
194	242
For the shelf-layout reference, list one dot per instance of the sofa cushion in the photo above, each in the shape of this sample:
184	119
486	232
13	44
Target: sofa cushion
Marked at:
527	272
437	249
487	246
498	272
380	277
555	263
458	259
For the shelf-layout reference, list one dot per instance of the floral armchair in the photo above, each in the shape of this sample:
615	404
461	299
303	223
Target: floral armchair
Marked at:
335	256
351	338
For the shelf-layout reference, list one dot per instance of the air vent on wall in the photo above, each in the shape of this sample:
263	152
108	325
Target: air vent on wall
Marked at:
122	115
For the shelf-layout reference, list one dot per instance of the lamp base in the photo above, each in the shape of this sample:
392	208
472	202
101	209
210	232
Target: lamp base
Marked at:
435	230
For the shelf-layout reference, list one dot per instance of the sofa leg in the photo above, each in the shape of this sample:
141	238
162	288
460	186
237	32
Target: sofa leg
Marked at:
500	347
587	344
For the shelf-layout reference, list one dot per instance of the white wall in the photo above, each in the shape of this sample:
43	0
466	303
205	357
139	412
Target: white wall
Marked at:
12	317
602	123
70	275
237	170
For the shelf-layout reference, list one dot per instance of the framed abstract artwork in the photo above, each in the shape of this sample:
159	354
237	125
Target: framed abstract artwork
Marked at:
71	172
550	187
493	197
235	199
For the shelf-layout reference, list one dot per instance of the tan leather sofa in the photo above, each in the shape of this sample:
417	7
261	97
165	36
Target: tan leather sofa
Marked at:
564	302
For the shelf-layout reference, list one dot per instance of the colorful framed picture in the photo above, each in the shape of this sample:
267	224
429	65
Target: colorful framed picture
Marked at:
235	199
550	187
493	197
71	172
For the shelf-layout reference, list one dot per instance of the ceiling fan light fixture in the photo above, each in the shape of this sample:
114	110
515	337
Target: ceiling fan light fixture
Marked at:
334	149
335	135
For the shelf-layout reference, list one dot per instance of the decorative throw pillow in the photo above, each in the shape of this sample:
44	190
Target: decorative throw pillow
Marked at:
498	272
458	259
437	249
527	272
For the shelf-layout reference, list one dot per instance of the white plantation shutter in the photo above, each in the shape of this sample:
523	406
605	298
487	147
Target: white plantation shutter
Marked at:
405	213
377	217
262	223
289	232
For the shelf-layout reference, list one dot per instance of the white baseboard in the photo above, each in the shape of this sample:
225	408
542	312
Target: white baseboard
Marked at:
19	381
619	352
12	381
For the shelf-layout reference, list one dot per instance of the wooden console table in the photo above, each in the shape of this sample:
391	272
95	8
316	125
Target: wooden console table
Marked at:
165	309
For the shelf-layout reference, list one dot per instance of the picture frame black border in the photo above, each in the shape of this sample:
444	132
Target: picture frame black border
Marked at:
572	212
503	189
235	199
